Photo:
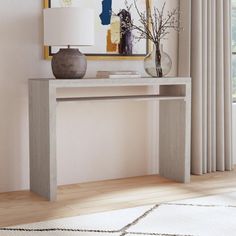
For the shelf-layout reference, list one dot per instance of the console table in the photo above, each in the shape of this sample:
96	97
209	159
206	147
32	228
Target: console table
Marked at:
174	128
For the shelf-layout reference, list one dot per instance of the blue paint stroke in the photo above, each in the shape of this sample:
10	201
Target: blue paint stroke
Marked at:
105	16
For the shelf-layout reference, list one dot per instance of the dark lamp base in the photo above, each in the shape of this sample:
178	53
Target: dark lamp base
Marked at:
69	63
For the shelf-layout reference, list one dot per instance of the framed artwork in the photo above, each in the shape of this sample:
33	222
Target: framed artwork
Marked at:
110	41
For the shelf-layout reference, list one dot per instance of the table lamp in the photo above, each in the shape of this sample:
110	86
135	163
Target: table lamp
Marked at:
69	26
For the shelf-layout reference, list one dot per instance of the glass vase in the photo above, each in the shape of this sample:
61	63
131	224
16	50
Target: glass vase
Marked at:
157	63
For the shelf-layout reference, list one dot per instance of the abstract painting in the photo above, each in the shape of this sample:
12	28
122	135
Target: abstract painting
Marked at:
112	39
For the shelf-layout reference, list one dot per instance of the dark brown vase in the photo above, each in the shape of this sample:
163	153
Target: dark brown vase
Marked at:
69	63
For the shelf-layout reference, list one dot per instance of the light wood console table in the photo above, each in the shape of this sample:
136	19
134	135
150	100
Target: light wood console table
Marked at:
174	128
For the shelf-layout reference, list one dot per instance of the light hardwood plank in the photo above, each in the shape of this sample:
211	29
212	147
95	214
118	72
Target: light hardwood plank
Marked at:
26	207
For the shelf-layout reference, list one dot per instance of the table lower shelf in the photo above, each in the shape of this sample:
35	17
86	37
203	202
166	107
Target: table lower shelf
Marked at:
127	97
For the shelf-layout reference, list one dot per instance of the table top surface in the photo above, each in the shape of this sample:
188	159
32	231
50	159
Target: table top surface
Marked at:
95	82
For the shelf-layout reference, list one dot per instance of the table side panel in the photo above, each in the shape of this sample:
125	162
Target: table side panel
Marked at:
172	144
42	139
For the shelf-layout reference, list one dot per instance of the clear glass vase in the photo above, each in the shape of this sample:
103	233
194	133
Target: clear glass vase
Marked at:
157	63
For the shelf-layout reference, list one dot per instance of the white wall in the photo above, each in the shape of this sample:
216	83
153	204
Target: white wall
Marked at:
95	140
234	132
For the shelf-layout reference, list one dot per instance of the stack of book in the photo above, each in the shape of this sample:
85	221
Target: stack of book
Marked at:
118	74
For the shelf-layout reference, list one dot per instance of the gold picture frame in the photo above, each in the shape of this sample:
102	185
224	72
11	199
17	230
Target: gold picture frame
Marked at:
48	54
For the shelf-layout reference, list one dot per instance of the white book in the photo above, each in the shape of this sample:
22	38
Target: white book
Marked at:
124	76
107	74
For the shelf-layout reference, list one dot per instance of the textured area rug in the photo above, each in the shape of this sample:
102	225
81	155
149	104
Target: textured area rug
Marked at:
207	216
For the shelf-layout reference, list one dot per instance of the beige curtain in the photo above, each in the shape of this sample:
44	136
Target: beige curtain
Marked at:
207	26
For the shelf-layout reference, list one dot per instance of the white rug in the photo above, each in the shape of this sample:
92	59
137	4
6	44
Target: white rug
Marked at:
208	216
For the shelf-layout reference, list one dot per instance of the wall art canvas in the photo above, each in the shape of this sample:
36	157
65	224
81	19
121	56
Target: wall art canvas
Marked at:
111	40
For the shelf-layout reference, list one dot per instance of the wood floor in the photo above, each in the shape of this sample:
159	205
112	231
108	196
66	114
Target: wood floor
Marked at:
25	207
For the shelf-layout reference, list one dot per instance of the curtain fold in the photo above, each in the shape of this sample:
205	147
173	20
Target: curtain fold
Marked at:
210	69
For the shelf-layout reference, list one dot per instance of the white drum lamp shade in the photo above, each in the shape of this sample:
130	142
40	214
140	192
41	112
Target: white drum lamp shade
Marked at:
68	26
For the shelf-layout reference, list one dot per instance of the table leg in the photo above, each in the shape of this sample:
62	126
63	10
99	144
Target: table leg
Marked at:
42	128
174	140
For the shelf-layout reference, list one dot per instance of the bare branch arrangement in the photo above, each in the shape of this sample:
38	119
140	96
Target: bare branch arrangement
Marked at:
154	24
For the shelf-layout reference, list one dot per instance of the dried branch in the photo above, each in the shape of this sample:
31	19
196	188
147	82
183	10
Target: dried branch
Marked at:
153	24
